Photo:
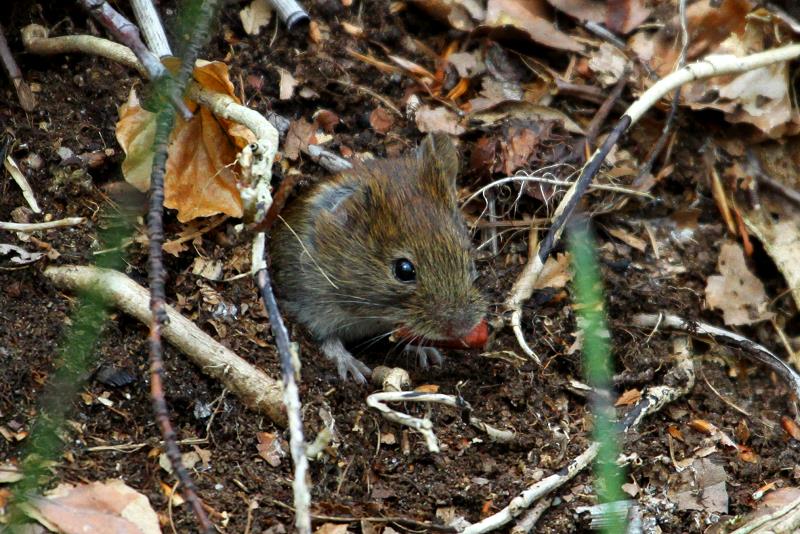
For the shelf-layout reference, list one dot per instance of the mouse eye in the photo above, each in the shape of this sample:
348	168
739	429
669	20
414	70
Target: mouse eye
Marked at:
404	270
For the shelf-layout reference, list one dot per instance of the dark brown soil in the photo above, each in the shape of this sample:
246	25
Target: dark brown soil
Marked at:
358	476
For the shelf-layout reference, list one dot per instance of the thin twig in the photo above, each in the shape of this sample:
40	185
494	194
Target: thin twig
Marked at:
602	112
24	93
750	349
199	18
291	396
673	112
127	33
151	26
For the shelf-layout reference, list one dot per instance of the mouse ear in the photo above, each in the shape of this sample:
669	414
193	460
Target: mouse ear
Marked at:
332	200
438	161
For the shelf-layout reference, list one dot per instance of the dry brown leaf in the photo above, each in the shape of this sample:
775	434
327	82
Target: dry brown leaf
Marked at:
298	137
381	120
517	148
790	427
630	396
200	170
760	97
524	111
270	448
200	177
136	130
629	239
675	432
439	119
332	528
709	22
624	16
583	10
736	291
700	488
746	454
555	273
608	64
109	506
620	16
326	120
467	64
286	84
528	17
255	16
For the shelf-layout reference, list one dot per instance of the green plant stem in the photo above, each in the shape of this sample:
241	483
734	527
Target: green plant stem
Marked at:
598	368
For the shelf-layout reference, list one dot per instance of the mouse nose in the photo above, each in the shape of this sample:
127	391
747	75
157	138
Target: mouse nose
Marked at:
461	324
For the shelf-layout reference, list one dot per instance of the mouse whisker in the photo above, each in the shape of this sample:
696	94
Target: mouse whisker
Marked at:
371	341
306	251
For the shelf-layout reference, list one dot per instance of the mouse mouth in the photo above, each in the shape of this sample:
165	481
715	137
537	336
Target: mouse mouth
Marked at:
475	339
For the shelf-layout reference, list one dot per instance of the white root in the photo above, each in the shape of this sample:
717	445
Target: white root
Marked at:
423	425
35	227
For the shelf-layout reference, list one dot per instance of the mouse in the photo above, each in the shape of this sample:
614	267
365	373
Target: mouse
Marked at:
381	251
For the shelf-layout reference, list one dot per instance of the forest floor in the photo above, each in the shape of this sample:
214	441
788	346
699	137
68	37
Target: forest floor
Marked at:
657	252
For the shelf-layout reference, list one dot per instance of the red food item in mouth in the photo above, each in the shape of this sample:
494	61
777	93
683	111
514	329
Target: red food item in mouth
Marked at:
476	339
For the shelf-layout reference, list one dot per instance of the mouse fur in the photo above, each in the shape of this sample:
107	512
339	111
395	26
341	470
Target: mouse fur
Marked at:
334	253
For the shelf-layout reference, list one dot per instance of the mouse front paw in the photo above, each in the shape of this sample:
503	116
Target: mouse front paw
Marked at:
345	362
425	354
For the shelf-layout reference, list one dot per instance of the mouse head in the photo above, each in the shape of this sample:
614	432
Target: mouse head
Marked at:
390	234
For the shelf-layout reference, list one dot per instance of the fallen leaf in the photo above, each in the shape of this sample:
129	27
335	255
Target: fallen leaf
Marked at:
555	273
381	120
286	85
200	177
517	149
326	120
270	448
332	528
631	396
207	268
736	291
629	239
781	240
467	64
298	137
524	111
700	487
608	64
255	16
583	10
109	506
790	427
675	432
624	16
439	119
528	18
